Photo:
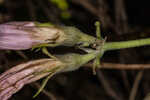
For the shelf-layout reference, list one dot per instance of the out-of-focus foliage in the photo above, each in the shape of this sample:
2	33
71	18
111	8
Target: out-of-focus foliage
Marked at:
63	5
1	1
65	15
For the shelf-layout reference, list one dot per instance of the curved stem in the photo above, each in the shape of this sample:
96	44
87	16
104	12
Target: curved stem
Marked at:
126	44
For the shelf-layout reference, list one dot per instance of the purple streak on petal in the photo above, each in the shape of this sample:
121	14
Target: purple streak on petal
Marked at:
19	68
3	93
4	28
16	77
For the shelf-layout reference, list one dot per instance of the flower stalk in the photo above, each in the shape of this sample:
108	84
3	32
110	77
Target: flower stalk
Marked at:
126	44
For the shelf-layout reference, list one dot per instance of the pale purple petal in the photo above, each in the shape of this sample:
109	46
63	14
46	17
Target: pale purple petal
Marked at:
25	35
14	37
14	79
15	27
15	41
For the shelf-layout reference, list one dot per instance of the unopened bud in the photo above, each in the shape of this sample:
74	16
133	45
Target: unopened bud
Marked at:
25	35
15	78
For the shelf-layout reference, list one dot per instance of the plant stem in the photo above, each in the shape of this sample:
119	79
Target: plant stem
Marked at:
126	44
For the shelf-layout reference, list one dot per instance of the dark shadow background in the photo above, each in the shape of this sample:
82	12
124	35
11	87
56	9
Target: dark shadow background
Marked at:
120	20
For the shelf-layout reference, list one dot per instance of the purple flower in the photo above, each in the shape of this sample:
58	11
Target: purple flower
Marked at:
25	35
15	78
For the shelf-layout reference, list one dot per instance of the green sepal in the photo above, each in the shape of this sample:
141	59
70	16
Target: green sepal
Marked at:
43	85
45	51
44	82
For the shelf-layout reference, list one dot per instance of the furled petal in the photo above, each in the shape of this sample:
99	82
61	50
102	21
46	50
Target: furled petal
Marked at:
15	27
16	41
19	36
15	78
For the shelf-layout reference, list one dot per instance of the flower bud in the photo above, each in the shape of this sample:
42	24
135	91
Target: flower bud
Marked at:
15	78
25	35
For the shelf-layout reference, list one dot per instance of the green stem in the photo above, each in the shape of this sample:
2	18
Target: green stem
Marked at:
98	31
126	44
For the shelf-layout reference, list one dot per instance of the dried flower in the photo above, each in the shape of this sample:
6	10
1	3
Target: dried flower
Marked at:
25	35
14	79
